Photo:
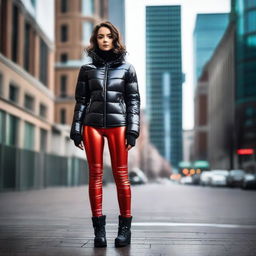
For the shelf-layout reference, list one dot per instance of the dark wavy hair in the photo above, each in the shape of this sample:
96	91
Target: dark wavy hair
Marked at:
119	47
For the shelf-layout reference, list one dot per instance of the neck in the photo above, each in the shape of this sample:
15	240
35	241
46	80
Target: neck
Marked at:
106	55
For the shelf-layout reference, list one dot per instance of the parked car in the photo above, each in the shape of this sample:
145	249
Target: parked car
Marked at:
163	180
205	178
235	178
196	179
187	180
137	176
249	181
219	177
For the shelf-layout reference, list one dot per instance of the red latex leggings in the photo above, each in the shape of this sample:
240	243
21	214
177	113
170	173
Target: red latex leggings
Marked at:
94	143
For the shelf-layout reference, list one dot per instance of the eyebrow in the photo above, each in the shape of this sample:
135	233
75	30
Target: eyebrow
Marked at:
103	34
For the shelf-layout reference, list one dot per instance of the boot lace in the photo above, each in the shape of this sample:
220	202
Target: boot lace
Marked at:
100	231
123	231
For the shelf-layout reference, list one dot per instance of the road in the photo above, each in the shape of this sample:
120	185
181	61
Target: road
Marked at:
168	219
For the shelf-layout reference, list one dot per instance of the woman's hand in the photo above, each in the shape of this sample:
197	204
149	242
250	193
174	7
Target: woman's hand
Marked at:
78	140
128	147
130	141
81	146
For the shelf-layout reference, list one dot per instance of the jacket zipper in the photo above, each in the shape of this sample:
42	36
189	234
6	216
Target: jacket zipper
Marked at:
88	106
105	96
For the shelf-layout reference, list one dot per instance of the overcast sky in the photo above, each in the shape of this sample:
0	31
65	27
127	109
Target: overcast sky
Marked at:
135	42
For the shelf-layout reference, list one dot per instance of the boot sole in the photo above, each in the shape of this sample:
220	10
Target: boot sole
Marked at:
100	245
120	244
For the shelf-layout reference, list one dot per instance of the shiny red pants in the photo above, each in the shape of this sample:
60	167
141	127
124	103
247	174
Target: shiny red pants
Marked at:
94	143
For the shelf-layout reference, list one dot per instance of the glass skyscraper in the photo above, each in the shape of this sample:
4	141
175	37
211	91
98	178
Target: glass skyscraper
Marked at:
164	80
244	15
209	29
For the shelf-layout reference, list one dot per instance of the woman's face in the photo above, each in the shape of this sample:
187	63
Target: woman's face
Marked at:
105	39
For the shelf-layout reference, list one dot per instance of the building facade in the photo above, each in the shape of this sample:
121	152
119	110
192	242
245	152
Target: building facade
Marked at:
188	150
232	92
26	74
244	14
200	145
221	103
74	22
116	15
164	80
214	24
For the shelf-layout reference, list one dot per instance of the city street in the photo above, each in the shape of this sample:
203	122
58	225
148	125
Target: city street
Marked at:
168	219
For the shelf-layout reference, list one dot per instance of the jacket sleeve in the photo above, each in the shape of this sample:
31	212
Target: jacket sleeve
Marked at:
132	97
82	97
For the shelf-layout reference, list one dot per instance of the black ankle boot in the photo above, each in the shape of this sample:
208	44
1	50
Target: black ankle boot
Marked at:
99	231
124	232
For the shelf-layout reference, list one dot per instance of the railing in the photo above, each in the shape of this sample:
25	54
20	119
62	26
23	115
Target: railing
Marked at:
22	169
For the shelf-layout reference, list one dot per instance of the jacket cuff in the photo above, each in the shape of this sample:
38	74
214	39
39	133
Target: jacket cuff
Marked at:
75	129
133	129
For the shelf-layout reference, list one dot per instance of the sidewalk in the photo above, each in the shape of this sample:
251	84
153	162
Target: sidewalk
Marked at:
56	221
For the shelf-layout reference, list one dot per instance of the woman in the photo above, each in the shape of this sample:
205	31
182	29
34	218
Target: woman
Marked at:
107	105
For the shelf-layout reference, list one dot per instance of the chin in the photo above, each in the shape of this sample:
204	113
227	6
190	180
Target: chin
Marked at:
106	49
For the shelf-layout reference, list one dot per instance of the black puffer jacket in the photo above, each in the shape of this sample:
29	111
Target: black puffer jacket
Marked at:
107	95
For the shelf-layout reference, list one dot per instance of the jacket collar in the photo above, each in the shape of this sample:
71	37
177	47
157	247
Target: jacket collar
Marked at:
96	59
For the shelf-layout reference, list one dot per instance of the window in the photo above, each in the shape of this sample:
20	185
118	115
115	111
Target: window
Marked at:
2	126
29	136
250	111
64	57
88	7
250	46
3	28
63	116
33	2
13	93
251	41
250	21
87	31
43	62
29	102
1	84
64	6
15	33
26	46
12	130
250	3
64	33
43	110
63	86
43	140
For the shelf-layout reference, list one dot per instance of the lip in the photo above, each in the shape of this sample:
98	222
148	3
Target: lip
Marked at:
105	45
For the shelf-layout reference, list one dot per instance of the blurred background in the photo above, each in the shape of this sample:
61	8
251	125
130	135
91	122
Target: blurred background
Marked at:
196	68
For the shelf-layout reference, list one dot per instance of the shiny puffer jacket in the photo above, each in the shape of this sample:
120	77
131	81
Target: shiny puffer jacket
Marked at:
107	95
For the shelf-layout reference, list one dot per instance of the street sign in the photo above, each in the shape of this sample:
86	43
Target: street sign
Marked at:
201	164
245	151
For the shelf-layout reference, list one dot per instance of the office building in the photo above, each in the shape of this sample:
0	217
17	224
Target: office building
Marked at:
244	15
164	80
209	29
